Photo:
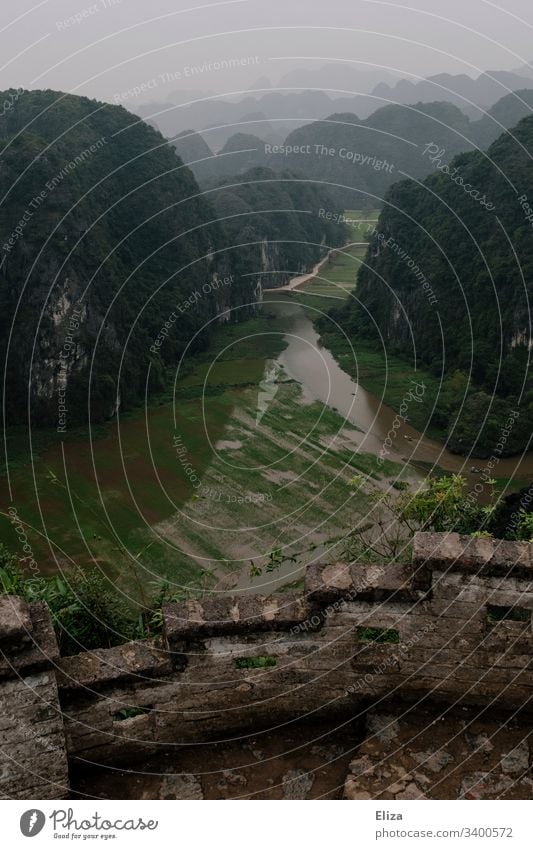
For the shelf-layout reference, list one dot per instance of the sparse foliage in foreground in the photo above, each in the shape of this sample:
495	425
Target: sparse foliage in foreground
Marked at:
438	504
87	610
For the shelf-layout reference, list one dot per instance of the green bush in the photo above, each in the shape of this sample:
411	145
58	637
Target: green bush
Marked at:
381	636
260	662
87	611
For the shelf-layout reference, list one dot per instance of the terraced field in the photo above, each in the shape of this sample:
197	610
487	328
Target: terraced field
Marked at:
197	487
280	484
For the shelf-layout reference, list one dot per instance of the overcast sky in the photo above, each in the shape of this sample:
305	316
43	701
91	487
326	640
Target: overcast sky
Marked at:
100	49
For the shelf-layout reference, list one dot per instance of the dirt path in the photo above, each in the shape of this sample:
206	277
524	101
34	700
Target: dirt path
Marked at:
296	282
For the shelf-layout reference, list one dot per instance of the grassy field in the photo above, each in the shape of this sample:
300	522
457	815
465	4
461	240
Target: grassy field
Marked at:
360	222
282	483
125	499
93	498
337	278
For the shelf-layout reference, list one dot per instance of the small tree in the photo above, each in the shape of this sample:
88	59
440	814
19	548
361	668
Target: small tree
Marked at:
439	504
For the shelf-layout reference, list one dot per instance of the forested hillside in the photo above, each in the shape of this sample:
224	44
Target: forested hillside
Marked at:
448	283
112	260
103	234
194	151
358	160
506	113
274	223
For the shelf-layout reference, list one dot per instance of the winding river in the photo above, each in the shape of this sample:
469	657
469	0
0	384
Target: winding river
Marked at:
315	368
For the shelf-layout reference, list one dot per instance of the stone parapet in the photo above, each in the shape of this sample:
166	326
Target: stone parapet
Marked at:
454	627
33	755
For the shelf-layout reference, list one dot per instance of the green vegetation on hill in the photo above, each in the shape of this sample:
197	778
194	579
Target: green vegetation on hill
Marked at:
506	113
103	235
194	151
272	223
113	263
447	286
358	160
87	610
241	152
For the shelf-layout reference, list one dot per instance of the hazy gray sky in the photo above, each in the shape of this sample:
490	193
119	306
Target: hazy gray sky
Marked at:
105	47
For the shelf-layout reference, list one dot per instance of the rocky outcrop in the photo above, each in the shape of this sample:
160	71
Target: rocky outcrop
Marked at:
106	246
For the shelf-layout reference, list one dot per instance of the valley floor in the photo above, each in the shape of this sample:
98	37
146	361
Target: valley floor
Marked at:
200	488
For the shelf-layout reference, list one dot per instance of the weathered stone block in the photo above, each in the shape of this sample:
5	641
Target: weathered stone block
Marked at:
33	758
232	615
97	669
478	555
15	622
38	652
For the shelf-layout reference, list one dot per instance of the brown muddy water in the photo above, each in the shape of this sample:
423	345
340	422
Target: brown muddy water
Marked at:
322	379
275	463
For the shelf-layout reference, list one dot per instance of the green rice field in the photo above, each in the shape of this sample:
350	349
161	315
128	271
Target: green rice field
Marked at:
197	488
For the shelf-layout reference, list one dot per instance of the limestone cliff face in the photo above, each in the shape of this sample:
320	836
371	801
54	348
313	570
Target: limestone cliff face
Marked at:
276	225
276	267
111	259
448	272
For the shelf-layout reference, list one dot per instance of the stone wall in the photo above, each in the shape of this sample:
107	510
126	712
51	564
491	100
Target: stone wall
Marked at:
33	758
455	626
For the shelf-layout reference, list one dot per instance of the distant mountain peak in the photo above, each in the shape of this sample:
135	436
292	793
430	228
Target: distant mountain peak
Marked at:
261	83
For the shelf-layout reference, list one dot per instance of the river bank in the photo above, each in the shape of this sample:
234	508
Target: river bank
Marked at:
250	455
389	410
375	413
198	489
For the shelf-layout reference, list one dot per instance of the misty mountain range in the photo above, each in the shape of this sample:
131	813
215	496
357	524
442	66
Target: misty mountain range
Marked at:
272	112
358	159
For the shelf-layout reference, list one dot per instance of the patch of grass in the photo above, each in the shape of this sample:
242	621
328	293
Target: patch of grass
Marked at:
315	301
91	496
509	614
342	268
338	276
260	662
360	222
129	713
379	636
